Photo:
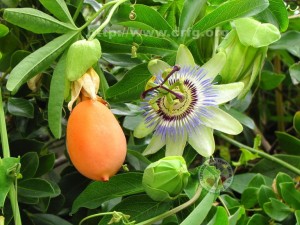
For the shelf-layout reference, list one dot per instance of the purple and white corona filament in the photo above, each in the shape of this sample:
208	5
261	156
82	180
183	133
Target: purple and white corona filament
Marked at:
183	106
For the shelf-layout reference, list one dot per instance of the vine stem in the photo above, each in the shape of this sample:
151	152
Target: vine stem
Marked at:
174	210
260	153
90	20
111	12
95	215
6	154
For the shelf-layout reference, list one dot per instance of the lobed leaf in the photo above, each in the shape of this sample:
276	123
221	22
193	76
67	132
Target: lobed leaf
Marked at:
36	21
56	97
38	61
59	9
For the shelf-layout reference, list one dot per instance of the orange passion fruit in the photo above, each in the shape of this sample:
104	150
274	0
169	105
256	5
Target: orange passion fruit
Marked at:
95	141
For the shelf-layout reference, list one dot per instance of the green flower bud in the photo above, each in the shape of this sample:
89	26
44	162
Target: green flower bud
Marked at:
246	48
81	56
166	178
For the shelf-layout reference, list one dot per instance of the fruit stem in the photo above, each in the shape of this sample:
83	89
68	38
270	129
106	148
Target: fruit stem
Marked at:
111	12
6	154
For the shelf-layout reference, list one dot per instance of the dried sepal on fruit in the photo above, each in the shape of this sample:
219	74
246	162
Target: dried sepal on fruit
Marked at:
86	87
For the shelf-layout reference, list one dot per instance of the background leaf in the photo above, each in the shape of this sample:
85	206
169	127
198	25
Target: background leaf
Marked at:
98	192
131	86
276	14
139	207
20	107
229	11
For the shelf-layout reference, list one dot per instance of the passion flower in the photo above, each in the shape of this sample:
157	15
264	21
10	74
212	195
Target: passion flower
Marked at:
166	178
182	105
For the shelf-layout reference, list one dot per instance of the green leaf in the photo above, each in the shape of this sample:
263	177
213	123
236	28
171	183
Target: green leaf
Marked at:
295	73
258	219
59	9
115	42
30	164
296	122
290	195
38	61
229	201
131	86
288	143
36	187
233	219
253	33
190	11
289	41
198	215
3	30
20	107
46	164
250	197
145	15
56	97
103	82
48	219
257	181
270	168
276	14
270	80
264	195
220	217
282	178
139	207
229	11
6	165
277	210
36	21
98	192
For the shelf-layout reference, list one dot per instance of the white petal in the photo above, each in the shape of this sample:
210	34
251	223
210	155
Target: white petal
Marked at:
142	130
184	57
157	66
227	92
214	66
222	121
202	140
155	144
175	146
